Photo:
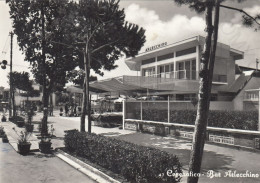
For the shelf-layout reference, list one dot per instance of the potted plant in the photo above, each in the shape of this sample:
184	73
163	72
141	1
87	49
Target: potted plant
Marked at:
23	144
3	118
61	111
19	121
45	144
2	132
5	139
29	126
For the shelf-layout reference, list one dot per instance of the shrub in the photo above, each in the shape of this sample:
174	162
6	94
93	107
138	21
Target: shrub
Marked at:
136	163
108	120
245	120
155	115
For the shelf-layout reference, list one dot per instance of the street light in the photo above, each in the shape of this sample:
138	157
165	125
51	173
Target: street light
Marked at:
3	64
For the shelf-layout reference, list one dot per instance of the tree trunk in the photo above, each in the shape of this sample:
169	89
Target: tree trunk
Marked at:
88	98
214	47
13	102
45	97
44	131
203	107
84	102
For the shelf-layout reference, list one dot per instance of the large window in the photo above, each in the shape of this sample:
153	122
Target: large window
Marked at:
148	61
186	69
149	72
186	51
165	57
166	71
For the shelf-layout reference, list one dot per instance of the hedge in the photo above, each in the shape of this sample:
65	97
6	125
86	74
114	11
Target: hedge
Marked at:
245	120
108	120
136	163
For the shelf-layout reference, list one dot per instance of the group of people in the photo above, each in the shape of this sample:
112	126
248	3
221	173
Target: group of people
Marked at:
70	110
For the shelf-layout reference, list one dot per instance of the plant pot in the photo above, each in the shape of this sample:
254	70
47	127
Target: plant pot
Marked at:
2	134
3	119
20	123
61	114
5	139
45	147
29	127
24	148
11	119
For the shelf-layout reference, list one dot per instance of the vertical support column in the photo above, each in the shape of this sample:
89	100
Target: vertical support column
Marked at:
141	108
124	113
175	65
259	109
169	109
197	61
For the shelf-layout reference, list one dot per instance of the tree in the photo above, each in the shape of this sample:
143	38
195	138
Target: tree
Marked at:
206	73
97	22
38	26
20	81
78	76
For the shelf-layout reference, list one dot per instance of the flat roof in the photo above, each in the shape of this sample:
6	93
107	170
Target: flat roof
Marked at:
177	46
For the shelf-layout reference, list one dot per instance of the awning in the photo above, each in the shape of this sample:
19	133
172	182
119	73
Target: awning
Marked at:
114	84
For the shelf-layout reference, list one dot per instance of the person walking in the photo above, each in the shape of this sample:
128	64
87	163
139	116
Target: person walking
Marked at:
66	109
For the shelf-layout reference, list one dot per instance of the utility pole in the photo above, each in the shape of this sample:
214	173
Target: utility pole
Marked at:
11	70
257	62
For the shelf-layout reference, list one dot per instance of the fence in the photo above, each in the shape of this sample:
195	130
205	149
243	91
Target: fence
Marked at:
161	110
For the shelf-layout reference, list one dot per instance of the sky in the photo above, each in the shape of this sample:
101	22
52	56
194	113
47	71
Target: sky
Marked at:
163	21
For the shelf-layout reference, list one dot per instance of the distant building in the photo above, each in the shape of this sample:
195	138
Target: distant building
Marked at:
4	98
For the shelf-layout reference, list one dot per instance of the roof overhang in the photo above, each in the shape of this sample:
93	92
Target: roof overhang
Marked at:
236	54
114	85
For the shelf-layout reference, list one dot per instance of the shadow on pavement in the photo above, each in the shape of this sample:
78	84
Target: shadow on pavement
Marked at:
180	148
110	134
44	155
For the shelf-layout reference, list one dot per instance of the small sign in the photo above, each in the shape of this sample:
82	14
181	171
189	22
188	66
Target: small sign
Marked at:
156	46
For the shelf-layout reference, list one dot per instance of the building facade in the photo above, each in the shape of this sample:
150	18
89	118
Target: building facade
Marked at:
174	68
172	71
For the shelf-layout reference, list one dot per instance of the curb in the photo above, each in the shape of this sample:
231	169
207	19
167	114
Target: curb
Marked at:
86	169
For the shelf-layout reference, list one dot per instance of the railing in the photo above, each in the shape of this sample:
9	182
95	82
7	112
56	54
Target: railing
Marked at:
188	75
180	74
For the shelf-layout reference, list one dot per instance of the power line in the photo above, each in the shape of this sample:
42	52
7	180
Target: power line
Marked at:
4	51
253	49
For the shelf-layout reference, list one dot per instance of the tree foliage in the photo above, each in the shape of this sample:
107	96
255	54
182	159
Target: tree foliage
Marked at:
103	36
21	81
101	25
77	77
26	16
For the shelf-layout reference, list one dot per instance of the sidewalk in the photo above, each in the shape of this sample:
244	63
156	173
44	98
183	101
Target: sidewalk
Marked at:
13	137
9	156
36	168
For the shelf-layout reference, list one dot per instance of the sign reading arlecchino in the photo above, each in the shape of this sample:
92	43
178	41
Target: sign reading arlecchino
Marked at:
156	46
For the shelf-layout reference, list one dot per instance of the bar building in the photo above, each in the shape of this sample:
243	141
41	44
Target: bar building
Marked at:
173	70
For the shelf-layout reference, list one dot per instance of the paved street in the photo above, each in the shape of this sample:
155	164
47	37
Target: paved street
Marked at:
36	168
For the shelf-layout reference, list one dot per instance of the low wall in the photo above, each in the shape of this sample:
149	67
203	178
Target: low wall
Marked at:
232	137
